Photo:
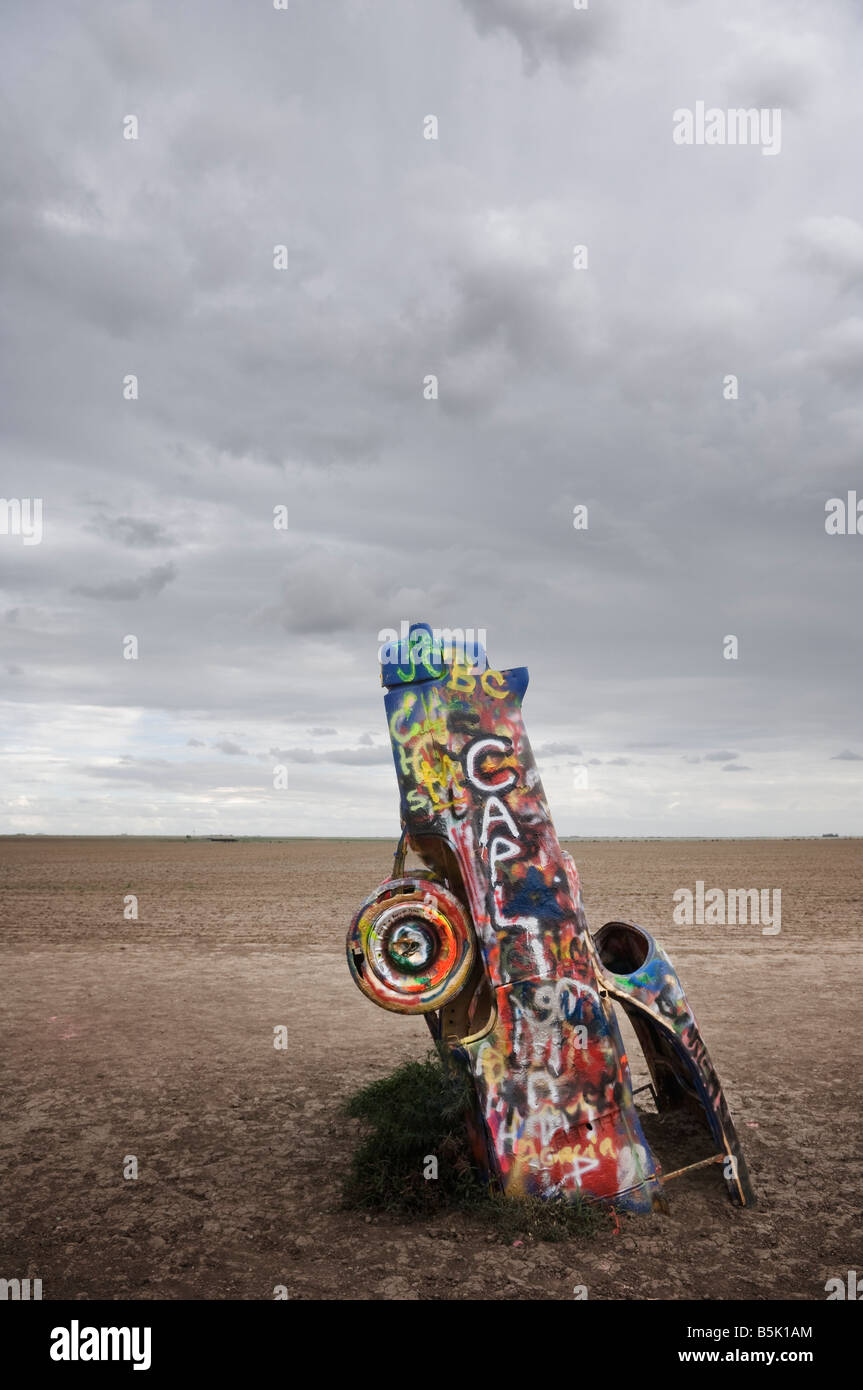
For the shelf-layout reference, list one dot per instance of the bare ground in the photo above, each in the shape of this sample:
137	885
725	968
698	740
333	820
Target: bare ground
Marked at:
154	1038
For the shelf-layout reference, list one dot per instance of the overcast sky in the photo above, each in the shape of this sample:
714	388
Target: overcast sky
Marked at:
408	257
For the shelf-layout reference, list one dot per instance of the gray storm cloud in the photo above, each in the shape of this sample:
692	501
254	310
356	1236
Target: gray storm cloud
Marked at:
304	388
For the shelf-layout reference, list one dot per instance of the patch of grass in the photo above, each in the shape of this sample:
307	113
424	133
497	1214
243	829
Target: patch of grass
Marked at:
531	1218
415	1113
419	1112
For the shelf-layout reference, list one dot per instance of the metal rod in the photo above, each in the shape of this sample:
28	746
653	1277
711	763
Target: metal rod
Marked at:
714	1158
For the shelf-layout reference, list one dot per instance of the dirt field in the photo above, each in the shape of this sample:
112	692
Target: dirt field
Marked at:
154	1038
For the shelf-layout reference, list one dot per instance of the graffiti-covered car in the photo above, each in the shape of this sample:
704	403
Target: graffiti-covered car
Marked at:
490	942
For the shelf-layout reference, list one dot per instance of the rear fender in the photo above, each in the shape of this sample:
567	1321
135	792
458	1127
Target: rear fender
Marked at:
638	975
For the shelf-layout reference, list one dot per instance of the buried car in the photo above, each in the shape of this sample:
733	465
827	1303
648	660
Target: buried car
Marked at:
490	942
